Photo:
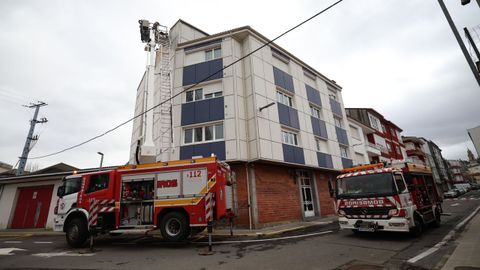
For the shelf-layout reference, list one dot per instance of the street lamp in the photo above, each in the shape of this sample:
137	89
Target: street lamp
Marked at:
101	160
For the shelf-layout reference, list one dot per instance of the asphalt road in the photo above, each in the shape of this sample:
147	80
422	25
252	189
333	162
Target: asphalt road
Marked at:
332	249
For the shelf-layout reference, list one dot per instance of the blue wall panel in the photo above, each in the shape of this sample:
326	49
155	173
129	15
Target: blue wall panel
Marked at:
313	95
336	108
293	154
283	79
288	116
324	160
319	128
204	149
341	135
196	73
294	118
203	111
347	163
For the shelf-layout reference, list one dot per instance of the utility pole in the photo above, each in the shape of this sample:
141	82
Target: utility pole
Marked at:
460	41
474	46
30	137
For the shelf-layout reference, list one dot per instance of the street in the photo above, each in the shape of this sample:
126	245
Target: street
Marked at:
319	248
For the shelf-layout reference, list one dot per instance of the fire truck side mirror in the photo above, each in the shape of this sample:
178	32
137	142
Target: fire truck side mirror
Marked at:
60	191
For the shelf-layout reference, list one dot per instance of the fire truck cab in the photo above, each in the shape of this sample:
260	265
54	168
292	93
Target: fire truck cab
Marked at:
400	197
177	197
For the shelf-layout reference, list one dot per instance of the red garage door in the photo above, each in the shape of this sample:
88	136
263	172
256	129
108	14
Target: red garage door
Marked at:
32	208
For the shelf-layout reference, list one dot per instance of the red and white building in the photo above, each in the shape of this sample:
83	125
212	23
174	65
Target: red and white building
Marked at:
386	136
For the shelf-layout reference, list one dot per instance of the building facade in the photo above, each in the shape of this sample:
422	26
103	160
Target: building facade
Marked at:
415	148
459	171
474	134
387	135
278	122
365	151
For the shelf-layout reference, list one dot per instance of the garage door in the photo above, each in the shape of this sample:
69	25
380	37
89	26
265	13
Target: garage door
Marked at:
32	207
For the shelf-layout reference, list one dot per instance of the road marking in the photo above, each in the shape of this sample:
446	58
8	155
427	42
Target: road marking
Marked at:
444	240
268	239
455	204
7	251
12	242
42	242
63	254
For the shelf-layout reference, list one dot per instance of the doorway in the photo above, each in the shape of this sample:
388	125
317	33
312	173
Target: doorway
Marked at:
306	190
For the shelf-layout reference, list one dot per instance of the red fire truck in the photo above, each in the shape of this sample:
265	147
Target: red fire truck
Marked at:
178	197
402	197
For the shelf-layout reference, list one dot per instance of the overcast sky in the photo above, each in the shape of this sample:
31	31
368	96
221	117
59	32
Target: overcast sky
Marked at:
85	59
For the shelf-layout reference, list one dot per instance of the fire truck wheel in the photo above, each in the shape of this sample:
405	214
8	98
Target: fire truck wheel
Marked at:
174	227
76	232
417	230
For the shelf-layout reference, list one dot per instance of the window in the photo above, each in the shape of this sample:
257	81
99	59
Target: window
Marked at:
72	185
203	134
384	130
194	95
389	148
344	151
338	122
213	54
400	183
315	112
214	95
284	99
394	134
373	121
289	138
98	182
355	132
318	144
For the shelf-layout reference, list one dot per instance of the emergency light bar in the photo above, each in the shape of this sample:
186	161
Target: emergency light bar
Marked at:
363	167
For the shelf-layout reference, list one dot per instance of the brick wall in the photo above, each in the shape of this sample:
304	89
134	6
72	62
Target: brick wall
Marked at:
278	197
241	189
326	203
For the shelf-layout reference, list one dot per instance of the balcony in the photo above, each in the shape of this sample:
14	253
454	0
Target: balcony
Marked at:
415	152
372	149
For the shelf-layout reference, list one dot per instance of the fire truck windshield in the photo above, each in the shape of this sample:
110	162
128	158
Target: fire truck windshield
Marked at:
72	185
370	185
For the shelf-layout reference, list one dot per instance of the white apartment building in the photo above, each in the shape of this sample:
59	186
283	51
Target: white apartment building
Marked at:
278	122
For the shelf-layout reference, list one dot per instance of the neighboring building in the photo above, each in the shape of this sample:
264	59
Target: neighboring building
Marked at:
278	122
474	134
386	136
474	172
459	171
365	151
415	150
28	201
421	150
4	167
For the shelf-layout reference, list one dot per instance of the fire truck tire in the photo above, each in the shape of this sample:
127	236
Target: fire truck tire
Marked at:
174	227
76	232
417	230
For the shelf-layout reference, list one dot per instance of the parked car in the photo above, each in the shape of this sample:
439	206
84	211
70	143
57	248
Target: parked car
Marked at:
452	193
475	186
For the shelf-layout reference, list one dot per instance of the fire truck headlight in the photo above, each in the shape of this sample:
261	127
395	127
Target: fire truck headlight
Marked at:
341	213
393	212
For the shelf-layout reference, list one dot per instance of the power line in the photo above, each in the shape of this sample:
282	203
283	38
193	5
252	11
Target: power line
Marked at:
190	87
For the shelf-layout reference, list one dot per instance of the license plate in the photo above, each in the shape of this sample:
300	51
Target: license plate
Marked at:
366	229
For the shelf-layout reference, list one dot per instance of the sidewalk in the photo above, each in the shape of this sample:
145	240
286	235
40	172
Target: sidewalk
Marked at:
277	229
467	253
268	231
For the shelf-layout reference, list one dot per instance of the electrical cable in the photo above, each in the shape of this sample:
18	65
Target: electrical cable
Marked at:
188	88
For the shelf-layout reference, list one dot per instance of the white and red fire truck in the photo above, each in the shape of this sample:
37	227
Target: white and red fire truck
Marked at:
178	197
402	198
